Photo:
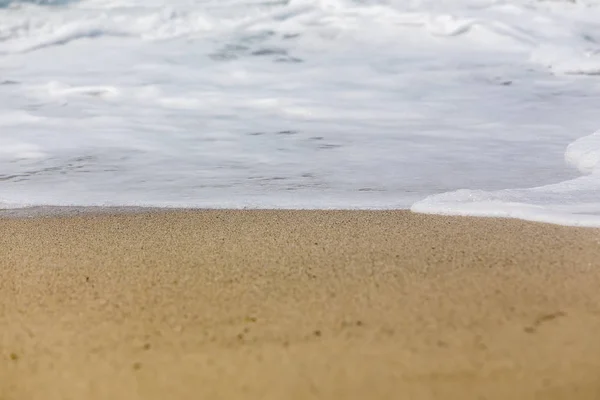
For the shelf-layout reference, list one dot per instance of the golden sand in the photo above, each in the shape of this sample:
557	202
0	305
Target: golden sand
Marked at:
297	305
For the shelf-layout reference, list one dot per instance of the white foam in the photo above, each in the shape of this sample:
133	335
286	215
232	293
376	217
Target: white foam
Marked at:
572	202
584	154
58	89
306	103
570	60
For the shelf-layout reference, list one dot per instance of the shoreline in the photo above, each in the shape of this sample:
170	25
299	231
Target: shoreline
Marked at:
296	304
77	211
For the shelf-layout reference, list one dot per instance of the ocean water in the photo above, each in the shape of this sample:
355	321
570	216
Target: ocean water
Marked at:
468	107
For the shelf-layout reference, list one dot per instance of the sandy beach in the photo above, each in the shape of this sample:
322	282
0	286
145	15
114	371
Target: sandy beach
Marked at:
297	305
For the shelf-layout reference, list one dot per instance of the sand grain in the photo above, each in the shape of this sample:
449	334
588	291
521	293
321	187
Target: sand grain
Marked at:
297	305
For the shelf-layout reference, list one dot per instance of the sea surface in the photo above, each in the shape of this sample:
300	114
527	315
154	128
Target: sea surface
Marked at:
466	107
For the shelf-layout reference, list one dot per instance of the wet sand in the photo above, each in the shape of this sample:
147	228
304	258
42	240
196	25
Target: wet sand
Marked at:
297	305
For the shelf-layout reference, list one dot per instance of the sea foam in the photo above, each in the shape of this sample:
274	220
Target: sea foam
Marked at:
572	202
299	104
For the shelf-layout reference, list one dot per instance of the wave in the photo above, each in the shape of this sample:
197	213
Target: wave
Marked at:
573	202
526	27
562	37
390	94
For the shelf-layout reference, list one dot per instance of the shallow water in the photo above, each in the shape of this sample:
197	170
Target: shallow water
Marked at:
301	103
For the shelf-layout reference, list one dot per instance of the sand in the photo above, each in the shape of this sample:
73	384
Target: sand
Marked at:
297	305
